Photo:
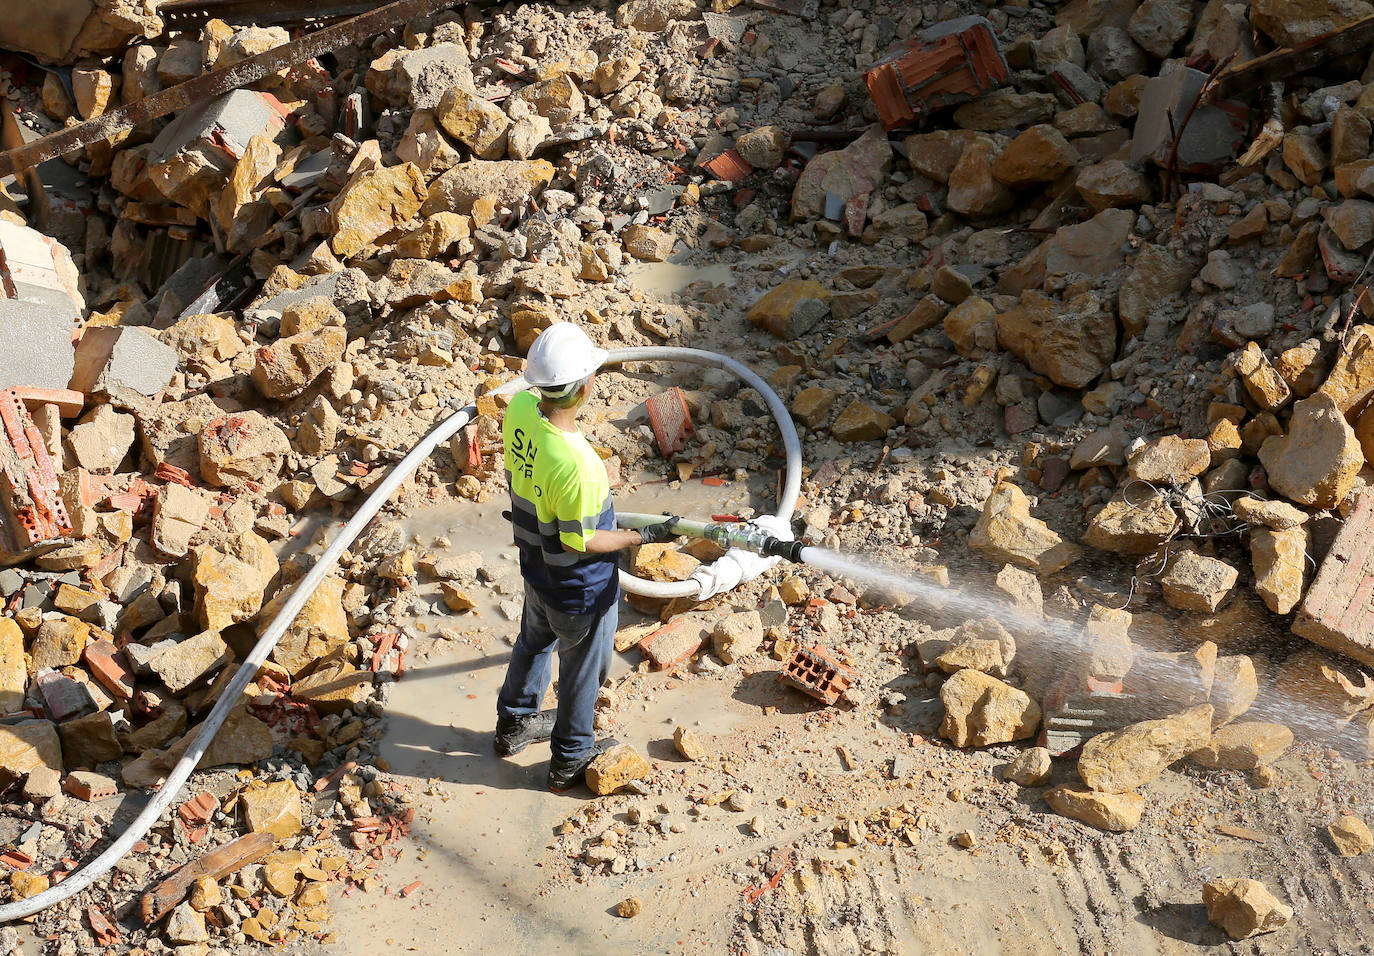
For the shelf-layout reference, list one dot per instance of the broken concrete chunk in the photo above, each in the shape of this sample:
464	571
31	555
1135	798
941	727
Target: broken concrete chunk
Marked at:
861	422
334	685
1039	155
981	645
737	636
474	122
1290	22
1350	382
1261	380
689	745
1234	688
89	740
320	628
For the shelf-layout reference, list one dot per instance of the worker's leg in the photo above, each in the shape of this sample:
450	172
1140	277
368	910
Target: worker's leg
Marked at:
531	662
584	660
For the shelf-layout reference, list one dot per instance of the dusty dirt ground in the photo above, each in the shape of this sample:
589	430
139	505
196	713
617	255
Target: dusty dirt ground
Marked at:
489	841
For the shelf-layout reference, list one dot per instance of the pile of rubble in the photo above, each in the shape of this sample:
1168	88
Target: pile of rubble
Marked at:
275	294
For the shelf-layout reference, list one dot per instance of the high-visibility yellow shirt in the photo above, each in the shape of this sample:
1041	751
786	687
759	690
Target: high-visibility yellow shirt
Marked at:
560	495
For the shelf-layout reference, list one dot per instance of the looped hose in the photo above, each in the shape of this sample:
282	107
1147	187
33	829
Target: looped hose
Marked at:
102	864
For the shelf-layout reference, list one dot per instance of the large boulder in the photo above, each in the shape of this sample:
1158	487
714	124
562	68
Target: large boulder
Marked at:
242	448
1071	343
1316	462
1127	759
981	710
1006	532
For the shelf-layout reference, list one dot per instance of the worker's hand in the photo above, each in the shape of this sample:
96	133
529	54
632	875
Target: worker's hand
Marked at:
658	533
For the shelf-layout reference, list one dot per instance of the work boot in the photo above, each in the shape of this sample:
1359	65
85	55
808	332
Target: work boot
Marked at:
566	774
514	734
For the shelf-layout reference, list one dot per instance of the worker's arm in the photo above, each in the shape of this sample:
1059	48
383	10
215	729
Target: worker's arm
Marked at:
606	541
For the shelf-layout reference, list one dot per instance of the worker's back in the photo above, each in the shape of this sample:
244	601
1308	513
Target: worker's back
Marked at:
560	495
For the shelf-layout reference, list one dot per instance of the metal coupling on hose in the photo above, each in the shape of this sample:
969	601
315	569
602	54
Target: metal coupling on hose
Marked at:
787	550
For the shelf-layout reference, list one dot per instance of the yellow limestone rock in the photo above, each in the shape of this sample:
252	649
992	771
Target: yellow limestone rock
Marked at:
230	580
14	674
1317	461
981	710
320	627
274	806
1129	758
1113	812
1244	746
371	204
1006	532
1350	835
615	768
791	308
1244	908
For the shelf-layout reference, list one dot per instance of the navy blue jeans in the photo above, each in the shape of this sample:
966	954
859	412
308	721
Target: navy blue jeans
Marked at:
584	643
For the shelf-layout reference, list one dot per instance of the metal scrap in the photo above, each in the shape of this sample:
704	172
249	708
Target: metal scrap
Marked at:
213	84
950	63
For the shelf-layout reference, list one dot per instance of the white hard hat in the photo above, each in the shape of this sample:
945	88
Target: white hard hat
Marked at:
562	355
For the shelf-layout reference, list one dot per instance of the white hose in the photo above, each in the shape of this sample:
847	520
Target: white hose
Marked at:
791	486
88	874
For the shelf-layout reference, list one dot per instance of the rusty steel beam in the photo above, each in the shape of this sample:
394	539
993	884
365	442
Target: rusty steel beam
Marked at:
180	14
214	84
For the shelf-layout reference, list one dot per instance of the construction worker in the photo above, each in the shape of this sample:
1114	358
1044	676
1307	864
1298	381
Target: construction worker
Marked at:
564	526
